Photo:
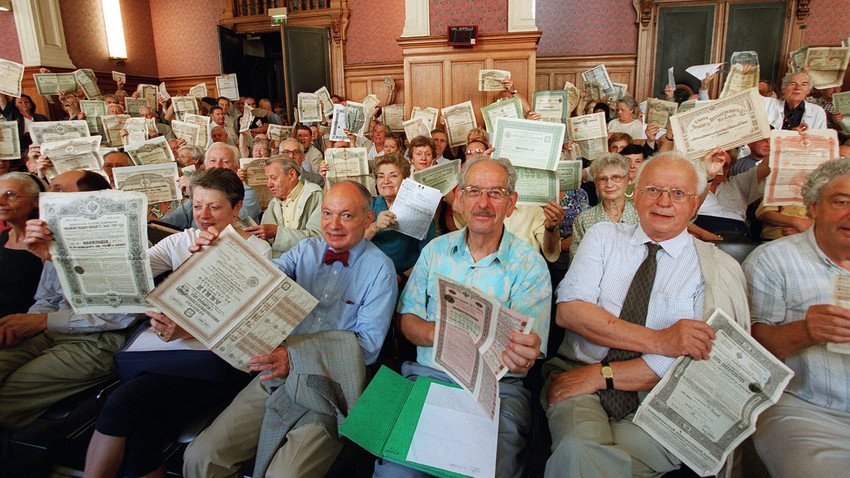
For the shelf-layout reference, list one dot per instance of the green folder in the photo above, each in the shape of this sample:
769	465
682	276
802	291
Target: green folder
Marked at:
384	419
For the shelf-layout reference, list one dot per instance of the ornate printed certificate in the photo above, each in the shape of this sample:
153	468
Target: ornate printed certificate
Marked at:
309	108
702	409
621	91
203	123
729	122
337	124
827	66
152	151
528	144
100	249
118	76
255	171
442	176
536	186
491	80
347	162
53	83
416	127
569	175
659	111
10	144
460	118
73	154
793	156
50	131
11	75
191	132
132	105
183	105
277	132
841	101
233	300
573	94
112	125
227	86
156	181
551	105
88	82
137	130
508	108
325	97
199	90
599	75
355	118
428	115
93	110
590	133
740	78
393	117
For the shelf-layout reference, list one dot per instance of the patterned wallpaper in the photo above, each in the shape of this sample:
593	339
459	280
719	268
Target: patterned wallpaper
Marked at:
85	36
491	16
373	28
186	36
824	25
9	46
575	27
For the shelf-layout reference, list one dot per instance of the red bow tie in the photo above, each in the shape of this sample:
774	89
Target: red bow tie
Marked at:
331	257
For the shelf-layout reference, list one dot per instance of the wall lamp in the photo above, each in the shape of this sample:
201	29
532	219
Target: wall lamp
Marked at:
114	31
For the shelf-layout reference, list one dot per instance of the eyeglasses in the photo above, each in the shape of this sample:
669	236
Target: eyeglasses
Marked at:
495	194
676	195
290	152
12	196
475	151
614	178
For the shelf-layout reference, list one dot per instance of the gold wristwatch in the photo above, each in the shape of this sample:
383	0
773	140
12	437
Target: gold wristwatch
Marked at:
608	374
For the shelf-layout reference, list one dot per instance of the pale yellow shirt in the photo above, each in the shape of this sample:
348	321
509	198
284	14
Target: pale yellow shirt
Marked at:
290	207
526	223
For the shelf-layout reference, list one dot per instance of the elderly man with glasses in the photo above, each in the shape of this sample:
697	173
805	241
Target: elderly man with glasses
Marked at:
486	256
636	296
292	148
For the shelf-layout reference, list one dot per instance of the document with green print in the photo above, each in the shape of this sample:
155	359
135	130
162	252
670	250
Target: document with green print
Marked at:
536	186
507	108
569	175
550	105
528	144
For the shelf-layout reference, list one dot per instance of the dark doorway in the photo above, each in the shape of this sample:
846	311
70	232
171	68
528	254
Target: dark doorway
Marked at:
308	65
257	60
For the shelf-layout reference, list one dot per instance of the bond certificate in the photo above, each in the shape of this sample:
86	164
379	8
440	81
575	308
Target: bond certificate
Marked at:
536	186
728	123
793	156
442	176
100	249
73	154
416	127
199	90
10	144
112	125
599	75
93	110
590	133
88	82
156	181
233	300
471	335
840	297
190	132
507	108
309	108
347	162
53	83
528	144
11	75
569	175
152	151
460	119
255	172
827	66
491	80
428	115
49	131
355	118
227	86
702	409
551	105
658	112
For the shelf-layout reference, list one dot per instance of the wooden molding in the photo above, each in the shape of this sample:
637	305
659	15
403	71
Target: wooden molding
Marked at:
554	71
363	79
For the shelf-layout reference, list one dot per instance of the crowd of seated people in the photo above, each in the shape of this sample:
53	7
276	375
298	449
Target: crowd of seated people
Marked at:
571	264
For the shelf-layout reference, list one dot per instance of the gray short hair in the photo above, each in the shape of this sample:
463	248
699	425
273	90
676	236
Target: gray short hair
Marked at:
504	163
293	141
285	162
609	159
698	167
234	151
630	102
26	182
823	175
196	152
787	78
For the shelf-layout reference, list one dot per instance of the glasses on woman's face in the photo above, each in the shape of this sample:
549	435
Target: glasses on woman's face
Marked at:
614	178
12	196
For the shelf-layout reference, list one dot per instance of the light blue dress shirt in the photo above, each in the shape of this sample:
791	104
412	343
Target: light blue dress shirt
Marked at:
515	275
359	298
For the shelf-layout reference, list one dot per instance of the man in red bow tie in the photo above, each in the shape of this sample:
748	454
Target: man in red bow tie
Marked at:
357	289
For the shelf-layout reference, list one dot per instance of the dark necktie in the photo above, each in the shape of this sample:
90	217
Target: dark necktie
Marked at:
619	403
331	257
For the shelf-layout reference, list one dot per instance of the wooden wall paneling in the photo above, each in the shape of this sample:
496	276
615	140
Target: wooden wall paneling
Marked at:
464	86
560	69
426	80
361	80
180	85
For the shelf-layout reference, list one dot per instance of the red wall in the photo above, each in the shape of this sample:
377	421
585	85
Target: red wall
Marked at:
828	22
9	46
186	36
85	36
373	28
491	16
586	27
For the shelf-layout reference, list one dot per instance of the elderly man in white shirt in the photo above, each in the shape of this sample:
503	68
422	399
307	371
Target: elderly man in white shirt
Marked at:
794	112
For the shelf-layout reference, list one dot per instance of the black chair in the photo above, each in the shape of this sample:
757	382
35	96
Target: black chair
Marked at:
738	250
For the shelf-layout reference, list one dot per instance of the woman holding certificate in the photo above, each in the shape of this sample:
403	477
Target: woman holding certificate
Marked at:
390	170
626	122
21	110
611	176
423	154
21	269
181	380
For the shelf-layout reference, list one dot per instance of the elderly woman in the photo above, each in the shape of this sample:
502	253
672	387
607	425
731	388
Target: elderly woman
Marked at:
423	152
147	410
390	170
21	270
611	176
626	122
189	155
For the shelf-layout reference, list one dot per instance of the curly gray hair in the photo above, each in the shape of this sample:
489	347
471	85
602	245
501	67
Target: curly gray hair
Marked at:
823	175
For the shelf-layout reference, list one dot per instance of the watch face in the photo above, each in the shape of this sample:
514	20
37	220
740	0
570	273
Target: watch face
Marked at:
607	372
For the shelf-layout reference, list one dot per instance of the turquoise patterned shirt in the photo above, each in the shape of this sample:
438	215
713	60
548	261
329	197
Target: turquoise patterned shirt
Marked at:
516	275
